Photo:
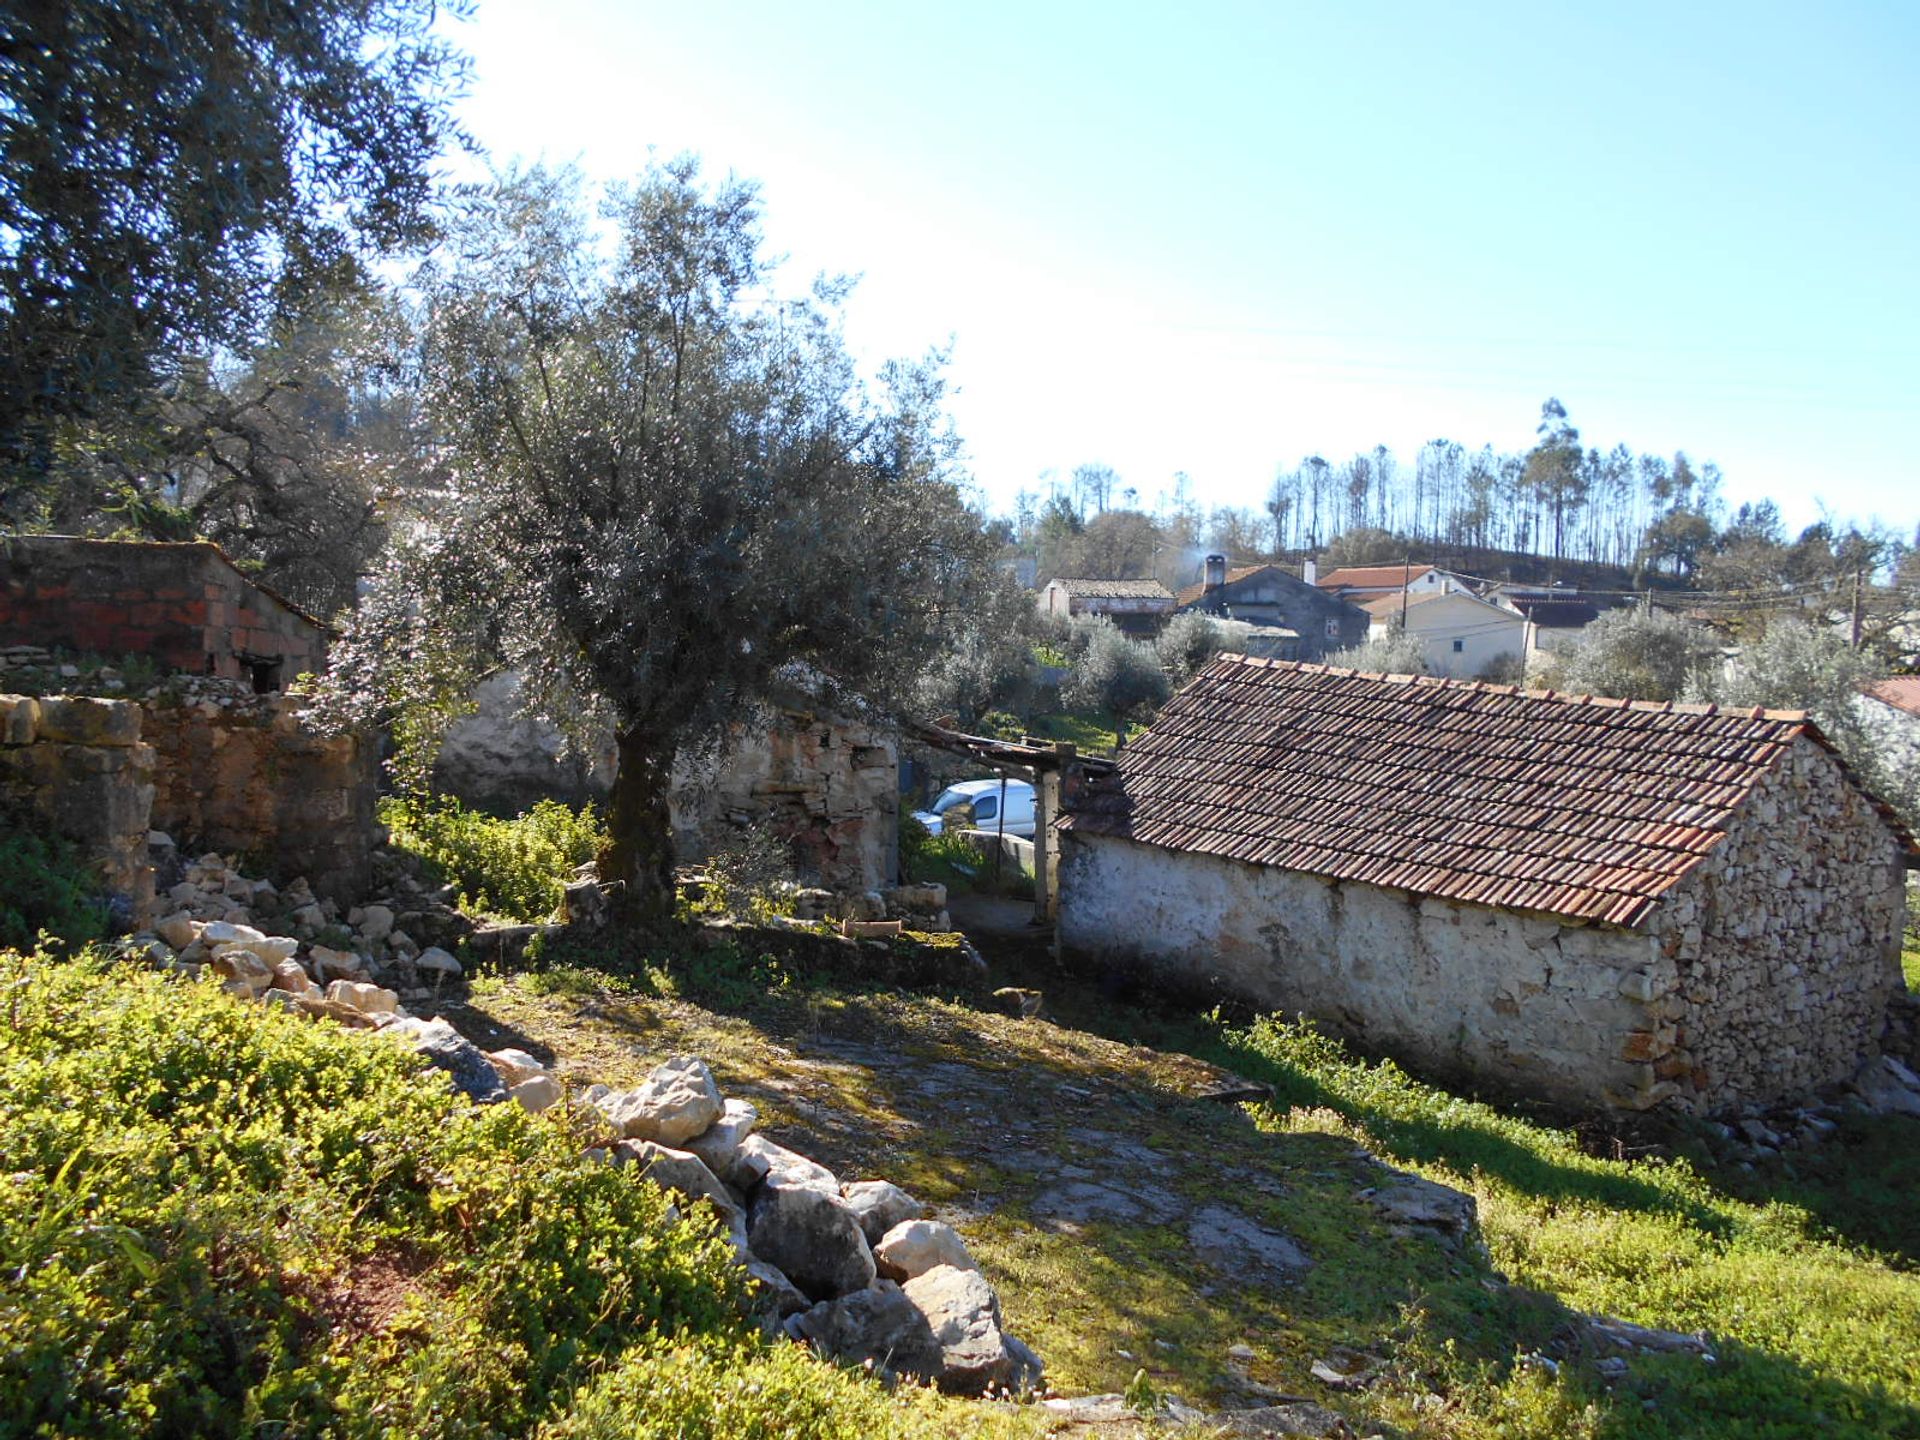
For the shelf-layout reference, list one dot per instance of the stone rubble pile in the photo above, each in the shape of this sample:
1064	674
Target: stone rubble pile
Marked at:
853	1269
1884	1085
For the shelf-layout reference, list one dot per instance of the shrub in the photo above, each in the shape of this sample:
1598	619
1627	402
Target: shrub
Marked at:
748	873
44	886
515	869
1394	653
1639	654
217	1220
1111	672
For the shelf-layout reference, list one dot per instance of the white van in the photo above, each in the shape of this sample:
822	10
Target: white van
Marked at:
984	797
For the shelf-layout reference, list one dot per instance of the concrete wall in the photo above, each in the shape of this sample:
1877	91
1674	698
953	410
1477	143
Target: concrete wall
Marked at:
1781	952
183	605
1527	1004
78	766
242	772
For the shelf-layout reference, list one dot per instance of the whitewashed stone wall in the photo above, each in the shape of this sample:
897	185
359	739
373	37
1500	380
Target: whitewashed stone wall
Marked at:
1779	955
1525	1003
1765	974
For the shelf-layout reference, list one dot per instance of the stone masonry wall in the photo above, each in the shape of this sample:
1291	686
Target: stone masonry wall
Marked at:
827	785
79	766
183	605
1525	1003
243	773
1780	953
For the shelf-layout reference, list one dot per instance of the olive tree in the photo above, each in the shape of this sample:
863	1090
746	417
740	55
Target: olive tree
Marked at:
666	488
1393	653
172	174
1635	654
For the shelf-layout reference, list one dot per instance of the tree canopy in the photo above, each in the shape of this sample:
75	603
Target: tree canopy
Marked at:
174	175
667	487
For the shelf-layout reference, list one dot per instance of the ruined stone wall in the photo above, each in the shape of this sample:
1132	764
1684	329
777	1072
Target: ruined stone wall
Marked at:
243	773
78	765
1525	1003
1780	953
827	785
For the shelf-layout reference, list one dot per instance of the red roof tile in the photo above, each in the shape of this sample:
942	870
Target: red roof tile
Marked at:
1900	691
1190	593
1372	577
1584	808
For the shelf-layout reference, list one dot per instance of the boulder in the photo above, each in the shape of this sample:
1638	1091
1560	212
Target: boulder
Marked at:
1415	1202
776	1296
375	924
538	1092
367	999
878	1326
913	1247
760	1158
270	948
880	1206
717	1144
674	1170
674	1103
1888	1087
328	964
811	1237
222	932
515	1065
179	930
288	976
447	1049
243	968
964	1315
435	961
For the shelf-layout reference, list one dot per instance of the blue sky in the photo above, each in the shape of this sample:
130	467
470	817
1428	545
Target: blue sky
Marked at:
1217	237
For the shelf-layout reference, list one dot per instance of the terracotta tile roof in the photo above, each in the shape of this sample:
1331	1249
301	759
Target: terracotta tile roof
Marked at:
1372	577
1901	691
1114	589
1190	593
1581	808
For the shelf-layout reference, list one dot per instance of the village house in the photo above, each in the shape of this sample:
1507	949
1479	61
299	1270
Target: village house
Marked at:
1599	902
1138	607
1460	634
1292	618
1362	583
1556	617
186	606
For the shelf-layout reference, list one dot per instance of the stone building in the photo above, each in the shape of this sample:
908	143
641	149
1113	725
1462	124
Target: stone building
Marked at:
1139	607
1598	902
1300	621
183	605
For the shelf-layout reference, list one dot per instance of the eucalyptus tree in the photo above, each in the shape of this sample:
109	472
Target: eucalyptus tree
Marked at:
667	489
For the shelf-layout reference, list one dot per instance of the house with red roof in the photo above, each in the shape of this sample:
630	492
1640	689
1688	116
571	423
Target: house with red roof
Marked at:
1603	903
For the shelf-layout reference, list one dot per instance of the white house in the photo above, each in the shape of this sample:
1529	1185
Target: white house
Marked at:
1461	634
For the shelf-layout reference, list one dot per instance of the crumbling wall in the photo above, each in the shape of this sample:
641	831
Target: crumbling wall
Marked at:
825	784
79	766
245	773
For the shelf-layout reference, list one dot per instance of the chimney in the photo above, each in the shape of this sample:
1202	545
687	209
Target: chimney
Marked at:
1213	576
1310	572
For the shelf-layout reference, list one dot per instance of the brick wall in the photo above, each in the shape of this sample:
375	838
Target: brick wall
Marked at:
183	605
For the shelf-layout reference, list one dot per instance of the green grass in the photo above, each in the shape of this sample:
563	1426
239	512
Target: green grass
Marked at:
220	1220
1803	1272
1910	961
1091	732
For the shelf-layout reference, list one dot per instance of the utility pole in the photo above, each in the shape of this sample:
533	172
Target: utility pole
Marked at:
1859	603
